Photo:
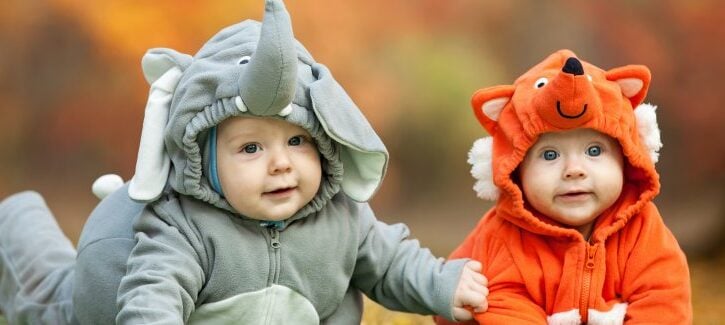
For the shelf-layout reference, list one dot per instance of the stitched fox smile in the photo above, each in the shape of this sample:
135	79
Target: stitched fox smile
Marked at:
558	110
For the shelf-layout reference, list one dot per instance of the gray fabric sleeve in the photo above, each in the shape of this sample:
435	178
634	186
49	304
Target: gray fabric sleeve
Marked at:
163	275
397	273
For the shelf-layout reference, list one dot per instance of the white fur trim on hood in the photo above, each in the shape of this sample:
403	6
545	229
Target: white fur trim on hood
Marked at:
480	157
649	131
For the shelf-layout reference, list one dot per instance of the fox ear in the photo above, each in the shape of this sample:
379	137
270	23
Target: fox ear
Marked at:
489	102
633	80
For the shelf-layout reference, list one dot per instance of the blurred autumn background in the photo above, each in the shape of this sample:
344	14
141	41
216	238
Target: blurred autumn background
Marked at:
73	96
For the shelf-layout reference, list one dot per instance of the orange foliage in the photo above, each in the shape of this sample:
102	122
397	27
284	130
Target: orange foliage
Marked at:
73	94
129	28
73	67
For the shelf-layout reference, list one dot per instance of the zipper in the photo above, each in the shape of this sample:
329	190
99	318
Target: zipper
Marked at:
587	281
274	241
275	245
272	229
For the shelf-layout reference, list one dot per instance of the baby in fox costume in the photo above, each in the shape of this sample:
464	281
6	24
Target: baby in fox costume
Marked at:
574	236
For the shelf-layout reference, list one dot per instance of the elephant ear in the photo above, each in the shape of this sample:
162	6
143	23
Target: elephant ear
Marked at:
156	62
364	157
162	68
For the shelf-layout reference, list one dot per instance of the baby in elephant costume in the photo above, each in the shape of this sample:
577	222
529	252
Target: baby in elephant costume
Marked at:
248	205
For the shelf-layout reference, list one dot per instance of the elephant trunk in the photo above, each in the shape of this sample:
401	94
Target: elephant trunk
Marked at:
268	84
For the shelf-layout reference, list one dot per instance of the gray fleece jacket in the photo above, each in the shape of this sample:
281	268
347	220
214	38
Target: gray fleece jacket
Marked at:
196	259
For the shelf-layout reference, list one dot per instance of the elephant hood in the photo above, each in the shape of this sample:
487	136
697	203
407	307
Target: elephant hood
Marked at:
249	69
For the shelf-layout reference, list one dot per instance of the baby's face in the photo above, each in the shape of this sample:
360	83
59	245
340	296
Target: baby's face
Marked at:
573	176
268	169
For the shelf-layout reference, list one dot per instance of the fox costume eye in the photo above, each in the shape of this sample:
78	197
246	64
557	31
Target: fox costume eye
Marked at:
244	60
541	82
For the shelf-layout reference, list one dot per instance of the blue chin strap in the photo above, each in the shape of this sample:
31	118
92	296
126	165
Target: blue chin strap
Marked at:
213	176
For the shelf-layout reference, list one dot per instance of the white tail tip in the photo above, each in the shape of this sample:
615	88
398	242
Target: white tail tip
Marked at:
106	184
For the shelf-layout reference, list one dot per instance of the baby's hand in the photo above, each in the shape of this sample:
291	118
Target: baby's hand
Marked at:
472	291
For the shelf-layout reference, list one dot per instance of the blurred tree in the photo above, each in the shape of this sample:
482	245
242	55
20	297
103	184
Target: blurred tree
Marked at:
73	92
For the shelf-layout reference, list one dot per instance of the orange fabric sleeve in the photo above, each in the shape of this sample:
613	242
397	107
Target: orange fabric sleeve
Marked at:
464	250
656	280
508	300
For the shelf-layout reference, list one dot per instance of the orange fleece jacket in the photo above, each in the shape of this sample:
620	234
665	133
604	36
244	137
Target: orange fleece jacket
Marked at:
631	270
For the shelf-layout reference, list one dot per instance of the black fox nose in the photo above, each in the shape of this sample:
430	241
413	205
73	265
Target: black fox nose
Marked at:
573	66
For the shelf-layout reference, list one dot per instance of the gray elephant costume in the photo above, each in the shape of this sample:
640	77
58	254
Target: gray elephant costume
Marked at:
169	249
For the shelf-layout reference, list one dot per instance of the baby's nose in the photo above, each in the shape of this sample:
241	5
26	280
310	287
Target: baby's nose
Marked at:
574	172
574	168
280	163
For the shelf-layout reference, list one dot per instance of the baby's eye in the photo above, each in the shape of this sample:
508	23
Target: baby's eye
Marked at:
296	140
250	148
541	82
594	151
244	59
550	155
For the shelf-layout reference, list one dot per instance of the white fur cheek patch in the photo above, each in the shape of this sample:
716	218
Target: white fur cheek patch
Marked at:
649	131
481	157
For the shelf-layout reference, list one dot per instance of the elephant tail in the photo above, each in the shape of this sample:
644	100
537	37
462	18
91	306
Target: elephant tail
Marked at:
106	184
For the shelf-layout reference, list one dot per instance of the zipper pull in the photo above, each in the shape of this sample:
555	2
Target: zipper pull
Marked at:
591	253
273	228
274	233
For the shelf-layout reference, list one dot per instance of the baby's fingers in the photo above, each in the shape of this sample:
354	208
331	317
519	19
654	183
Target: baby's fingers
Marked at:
480	279
474	265
461	314
475	284
481	308
472	298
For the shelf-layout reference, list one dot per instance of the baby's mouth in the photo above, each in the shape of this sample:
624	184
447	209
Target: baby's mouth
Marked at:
574	195
282	190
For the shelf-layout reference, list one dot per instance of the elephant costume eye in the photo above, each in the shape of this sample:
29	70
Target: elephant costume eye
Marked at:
244	59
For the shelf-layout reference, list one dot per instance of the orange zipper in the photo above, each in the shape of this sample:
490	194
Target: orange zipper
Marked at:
587	282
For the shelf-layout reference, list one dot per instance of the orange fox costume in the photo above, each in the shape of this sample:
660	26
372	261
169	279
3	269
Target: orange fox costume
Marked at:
631	270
